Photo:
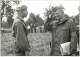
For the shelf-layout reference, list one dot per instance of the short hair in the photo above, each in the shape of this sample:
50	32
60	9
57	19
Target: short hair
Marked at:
22	8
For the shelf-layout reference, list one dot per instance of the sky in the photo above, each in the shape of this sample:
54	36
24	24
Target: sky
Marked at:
38	7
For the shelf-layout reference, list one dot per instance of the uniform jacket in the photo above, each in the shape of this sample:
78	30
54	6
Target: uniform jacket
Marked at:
63	32
20	33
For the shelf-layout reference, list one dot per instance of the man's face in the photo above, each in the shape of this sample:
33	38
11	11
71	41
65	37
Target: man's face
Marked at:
24	13
59	14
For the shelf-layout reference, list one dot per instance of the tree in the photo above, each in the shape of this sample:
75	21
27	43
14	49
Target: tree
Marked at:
9	14
7	10
31	19
39	20
49	12
34	20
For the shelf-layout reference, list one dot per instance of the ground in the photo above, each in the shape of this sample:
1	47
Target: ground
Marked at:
39	42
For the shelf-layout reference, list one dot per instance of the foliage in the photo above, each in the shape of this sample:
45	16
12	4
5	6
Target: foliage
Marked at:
34	20
40	21
49	12
7	10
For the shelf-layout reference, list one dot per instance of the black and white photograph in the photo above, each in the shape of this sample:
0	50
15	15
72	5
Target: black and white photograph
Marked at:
39	27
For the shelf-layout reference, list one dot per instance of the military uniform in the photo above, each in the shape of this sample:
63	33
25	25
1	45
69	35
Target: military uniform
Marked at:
63	32
20	33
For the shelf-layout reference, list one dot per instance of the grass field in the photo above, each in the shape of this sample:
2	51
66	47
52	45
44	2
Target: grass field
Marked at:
40	44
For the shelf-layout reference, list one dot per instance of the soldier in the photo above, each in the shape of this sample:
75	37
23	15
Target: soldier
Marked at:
20	32
63	31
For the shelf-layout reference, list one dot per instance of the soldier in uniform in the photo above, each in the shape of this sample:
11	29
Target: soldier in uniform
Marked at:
20	32
63	30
